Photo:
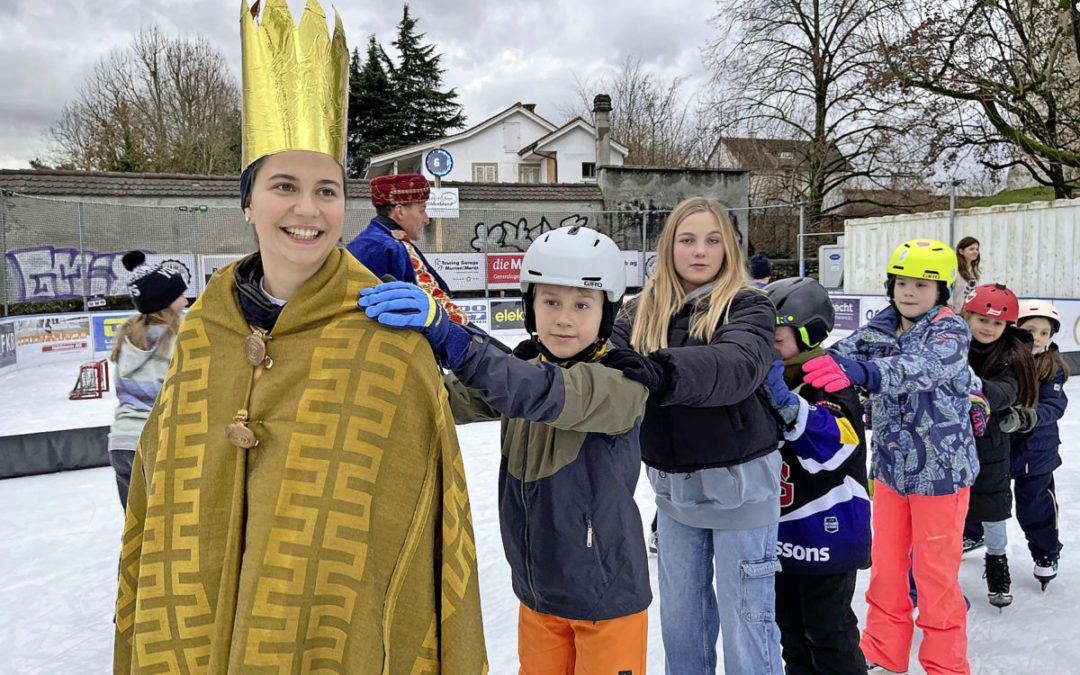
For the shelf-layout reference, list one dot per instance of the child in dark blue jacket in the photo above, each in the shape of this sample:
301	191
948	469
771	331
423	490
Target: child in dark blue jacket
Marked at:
824	532
1035	448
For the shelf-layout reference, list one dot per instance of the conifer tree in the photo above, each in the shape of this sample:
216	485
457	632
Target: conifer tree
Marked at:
426	112
375	122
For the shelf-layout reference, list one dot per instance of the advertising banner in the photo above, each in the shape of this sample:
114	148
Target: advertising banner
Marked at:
208	264
52	338
104	328
443	203
462	271
7	345
507	315
847	313
504	270
477	309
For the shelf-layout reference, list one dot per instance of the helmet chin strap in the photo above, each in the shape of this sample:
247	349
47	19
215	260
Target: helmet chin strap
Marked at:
590	353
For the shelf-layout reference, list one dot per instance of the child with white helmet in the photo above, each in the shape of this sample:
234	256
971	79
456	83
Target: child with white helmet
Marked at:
571	529
911	359
1034	453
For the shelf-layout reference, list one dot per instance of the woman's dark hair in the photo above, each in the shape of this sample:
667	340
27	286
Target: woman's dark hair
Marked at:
967	271
1013	348
247	180
1048	361
943	293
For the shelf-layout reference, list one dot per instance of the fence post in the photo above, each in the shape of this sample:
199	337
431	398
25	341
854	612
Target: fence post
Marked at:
802	232
644	244
196	275
82	253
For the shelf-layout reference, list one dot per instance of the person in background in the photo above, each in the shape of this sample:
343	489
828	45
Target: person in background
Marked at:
760	270
141	351
968	260
1000	357
387	246
571	457
824	533
911	359
701	338
1034	455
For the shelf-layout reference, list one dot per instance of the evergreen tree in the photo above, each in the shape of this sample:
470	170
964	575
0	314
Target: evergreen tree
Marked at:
426	112
375	122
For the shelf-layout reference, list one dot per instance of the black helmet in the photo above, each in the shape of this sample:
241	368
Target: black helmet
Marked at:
803	304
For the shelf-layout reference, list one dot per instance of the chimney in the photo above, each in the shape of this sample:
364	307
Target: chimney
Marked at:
602	122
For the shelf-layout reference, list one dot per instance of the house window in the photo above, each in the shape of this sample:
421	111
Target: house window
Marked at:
528	173
483	172
588	169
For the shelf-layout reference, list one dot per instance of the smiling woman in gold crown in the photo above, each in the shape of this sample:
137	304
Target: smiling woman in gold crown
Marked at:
288	512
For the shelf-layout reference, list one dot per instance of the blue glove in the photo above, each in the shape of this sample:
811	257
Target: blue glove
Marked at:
781	398
401	305
833	373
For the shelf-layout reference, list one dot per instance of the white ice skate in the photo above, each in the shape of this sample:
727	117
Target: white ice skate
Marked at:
874	669
1045	570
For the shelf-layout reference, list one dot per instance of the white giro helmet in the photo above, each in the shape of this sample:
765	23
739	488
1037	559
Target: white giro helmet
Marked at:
1043	308
575	256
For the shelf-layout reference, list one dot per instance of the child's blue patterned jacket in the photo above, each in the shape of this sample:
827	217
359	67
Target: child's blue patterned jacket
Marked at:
922	441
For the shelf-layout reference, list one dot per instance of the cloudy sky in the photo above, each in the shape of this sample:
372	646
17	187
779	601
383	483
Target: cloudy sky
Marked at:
495	52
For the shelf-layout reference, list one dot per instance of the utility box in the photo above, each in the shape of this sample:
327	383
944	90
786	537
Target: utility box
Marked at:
831	265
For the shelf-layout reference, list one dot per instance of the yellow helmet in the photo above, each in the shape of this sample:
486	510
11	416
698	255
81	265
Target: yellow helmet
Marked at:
924	259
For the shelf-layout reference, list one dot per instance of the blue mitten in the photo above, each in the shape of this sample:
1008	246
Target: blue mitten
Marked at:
783	401
402	305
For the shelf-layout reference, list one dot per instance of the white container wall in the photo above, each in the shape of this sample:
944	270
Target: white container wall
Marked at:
1032	248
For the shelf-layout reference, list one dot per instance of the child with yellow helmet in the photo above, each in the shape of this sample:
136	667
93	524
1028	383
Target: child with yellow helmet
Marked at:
911	359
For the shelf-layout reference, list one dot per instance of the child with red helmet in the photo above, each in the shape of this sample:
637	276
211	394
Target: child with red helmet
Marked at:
1000	355
1034	453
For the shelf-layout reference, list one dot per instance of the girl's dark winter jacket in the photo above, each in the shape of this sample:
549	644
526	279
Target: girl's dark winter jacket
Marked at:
1036	452
714	414
991	496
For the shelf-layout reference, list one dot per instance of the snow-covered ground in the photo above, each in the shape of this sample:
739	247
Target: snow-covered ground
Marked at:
60	535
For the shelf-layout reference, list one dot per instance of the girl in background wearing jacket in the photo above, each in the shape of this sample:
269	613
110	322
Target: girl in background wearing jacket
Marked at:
701	337
141	353
912	359
1001	358
1035	452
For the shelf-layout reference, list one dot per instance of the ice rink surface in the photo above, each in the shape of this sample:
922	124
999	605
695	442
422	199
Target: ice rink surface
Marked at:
60	538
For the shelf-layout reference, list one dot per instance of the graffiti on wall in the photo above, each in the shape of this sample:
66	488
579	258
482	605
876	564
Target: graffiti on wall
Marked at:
42	273
509	236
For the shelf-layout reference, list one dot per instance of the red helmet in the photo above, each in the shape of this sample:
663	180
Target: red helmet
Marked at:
993	301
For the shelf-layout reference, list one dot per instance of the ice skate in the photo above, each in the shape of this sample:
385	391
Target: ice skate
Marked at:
997	580
972	544
653	547
874	669
1045	570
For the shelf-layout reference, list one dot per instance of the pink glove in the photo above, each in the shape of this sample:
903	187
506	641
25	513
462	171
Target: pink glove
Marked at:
824	373
980	413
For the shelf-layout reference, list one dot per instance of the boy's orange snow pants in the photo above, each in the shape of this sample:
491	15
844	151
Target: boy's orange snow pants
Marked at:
549	645
925	535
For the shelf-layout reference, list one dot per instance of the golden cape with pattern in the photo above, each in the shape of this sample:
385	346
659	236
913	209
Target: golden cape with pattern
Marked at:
341	543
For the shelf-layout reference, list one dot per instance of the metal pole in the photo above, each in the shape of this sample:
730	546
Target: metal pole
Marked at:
196	278
3	246
644	244
82	253
802	232
952	211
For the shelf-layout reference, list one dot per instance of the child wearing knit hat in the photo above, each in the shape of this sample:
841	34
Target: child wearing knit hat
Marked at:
141	353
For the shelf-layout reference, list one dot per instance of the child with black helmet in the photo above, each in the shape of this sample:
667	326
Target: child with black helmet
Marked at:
911	358
571	529
824	532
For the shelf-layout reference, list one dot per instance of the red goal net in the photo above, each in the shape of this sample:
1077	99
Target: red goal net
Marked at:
93	380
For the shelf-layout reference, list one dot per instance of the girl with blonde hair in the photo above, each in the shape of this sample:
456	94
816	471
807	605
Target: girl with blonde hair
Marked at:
700	337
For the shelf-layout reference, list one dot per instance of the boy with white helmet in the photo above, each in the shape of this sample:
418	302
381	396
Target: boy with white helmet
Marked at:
1034	454
571	529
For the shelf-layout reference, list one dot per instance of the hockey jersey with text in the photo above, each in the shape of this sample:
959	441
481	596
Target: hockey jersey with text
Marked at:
824	506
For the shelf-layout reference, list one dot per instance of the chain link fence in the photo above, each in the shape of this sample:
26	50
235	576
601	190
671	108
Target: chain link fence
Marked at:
64	255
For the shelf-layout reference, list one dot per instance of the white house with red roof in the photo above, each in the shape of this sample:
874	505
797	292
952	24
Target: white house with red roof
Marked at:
515	146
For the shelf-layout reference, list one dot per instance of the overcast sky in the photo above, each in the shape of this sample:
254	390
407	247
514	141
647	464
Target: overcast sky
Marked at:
495	52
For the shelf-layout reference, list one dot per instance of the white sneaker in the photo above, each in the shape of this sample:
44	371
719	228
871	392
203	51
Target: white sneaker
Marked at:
653	548
875	669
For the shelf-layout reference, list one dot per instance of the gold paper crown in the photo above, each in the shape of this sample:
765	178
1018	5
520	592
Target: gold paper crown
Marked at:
296	81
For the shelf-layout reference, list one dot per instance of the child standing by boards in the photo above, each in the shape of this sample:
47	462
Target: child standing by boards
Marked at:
571	529
824	534
701	337
141	352
912	360
1000	356
1035	450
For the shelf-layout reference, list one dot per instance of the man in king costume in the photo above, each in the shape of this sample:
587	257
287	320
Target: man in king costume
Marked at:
298	500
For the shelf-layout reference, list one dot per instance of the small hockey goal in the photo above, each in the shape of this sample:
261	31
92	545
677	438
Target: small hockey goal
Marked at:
93	380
